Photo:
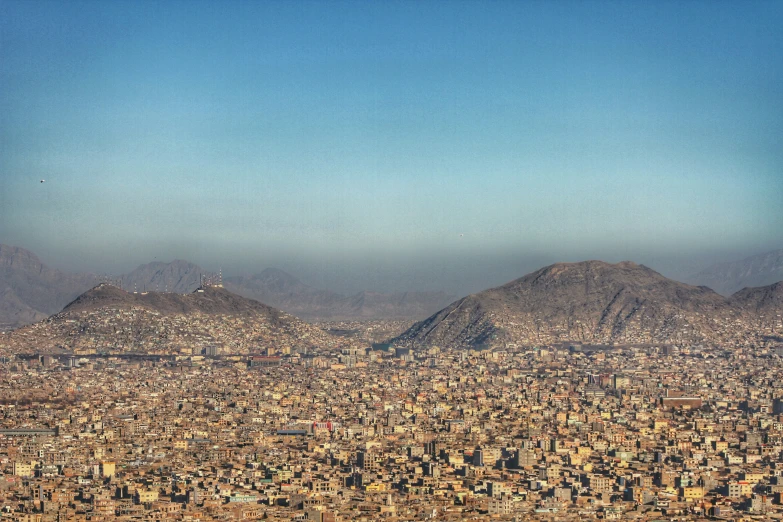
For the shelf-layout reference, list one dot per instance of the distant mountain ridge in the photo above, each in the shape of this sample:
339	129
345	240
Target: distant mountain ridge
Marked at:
30	291
588	302
279	289
592	302
178	276
754	271
282	290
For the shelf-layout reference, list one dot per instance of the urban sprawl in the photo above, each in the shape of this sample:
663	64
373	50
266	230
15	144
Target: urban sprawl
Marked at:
362	432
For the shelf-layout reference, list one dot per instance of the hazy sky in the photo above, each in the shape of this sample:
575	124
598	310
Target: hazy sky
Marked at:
391	145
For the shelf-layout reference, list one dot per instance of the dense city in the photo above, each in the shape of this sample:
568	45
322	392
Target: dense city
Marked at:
561	432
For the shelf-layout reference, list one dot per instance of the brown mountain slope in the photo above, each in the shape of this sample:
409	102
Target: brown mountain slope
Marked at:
210	301
759	298
108	319
591	301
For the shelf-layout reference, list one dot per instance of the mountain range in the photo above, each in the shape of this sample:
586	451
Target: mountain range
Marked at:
596	302
728	278
31	291
590	302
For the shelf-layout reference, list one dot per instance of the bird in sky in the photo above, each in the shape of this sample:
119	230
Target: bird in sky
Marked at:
43	180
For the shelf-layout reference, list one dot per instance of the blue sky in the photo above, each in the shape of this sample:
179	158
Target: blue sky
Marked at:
391	145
